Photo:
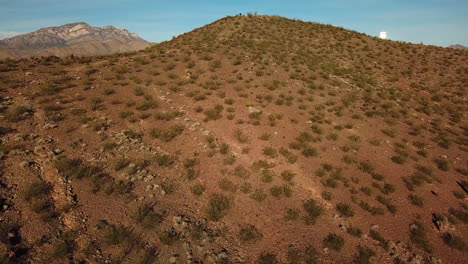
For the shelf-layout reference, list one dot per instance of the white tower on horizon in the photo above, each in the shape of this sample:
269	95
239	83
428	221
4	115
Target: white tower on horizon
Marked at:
383	35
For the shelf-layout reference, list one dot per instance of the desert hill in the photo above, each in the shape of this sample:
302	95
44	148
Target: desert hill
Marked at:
458	46
79	39
255	139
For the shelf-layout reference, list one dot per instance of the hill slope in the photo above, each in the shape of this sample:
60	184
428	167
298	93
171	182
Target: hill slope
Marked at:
254	139
76	38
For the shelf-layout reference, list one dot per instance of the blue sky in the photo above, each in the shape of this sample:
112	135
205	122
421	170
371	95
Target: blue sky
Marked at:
435	22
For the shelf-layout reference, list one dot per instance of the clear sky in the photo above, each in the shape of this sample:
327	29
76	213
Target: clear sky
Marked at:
436	22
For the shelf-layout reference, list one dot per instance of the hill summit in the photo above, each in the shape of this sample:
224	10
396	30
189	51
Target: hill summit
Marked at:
254	139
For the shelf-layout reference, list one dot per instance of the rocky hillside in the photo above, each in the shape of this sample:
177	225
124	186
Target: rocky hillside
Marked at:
255	139
76	38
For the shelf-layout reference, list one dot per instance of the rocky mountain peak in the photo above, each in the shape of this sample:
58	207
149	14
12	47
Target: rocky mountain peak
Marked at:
65	35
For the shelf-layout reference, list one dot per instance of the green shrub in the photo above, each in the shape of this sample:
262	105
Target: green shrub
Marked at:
147	217
167	135
121	163
240	136
313	210
267	258
454	241
459	214
198	189
241	172
258	195
292	214
418	235
169	237
334	242
164	160
442	164
116	235
290	157
364	255
218	207
270	152
416	200
250	234
37	189
213	114
309	152
18	113
354	231
345	210
288	175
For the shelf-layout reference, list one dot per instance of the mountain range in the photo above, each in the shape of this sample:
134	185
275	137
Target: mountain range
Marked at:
79	39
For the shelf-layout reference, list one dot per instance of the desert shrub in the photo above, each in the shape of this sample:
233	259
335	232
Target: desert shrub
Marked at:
240	136
416	200
267	258
345	210
399	159
292	214
218	207
246	187
116	235
364	255
267	175
198	189
164	160
18	113
288	175
213	114
279	191
169	237
371	209
265	136
309	152
270	152
241	172
354	231
459	214
108	91
227	185
313	210
74	168
167	135
131	134
334	241
37	189
377	236
366	190
121	163
454	241
290	157
250	234
147	217
147	105
167	116
258	195
366	166
224	149
418	235
442	164
138	91
459	194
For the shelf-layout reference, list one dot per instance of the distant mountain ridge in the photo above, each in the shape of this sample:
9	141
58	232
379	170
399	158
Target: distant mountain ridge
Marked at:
75	38
458	46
